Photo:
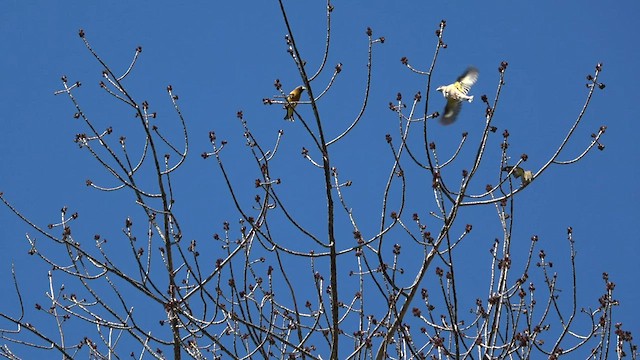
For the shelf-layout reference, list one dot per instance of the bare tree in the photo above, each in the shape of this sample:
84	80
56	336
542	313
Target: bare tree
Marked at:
348	291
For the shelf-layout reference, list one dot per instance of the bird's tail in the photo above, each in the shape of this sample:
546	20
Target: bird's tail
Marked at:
470	98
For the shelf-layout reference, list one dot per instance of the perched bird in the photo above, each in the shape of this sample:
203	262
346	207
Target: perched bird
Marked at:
457	92
526	175
292	101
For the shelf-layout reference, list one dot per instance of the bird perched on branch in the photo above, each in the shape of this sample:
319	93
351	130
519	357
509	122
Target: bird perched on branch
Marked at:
292	101
526	175
456	93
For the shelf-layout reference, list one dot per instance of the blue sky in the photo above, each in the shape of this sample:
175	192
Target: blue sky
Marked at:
224	57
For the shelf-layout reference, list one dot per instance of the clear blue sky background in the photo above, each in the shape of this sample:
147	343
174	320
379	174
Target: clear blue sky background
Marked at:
224	57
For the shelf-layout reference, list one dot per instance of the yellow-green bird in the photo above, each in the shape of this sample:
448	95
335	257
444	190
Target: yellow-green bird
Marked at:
292	101
456	93
527	175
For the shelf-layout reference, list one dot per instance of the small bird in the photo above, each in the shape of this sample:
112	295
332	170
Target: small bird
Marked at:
292	101
457	92
527	175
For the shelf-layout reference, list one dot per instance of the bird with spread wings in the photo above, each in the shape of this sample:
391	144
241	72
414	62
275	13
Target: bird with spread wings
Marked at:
456	93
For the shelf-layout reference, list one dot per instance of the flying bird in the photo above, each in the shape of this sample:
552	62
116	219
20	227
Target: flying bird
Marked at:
456	93
526	175
292	101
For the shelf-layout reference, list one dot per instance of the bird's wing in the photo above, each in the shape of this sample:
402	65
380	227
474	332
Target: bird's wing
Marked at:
291	103
451	111
517	172
294	95
466	80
